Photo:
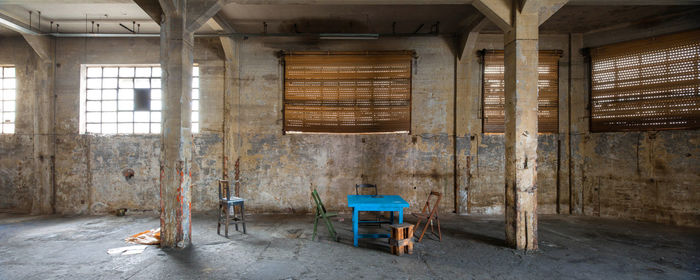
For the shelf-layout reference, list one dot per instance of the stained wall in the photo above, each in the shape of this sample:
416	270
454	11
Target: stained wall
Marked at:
638	175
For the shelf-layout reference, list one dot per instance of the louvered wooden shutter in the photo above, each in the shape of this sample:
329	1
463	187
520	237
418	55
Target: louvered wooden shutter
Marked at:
650	84
347	92
494	92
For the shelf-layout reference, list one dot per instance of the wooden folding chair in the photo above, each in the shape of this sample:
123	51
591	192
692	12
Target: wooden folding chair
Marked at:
321	213
430	216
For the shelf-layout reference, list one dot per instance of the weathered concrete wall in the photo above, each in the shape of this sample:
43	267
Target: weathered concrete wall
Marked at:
647	176
89	167
279	171
485	190
16	150
650	176
653	176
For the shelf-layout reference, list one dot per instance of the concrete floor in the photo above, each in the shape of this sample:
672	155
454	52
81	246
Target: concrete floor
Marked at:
279	247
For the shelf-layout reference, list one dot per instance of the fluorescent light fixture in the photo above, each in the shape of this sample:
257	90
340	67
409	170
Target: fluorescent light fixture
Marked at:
348	36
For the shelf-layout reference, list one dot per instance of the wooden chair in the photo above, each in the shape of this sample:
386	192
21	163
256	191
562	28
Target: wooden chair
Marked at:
429	215
372	189
368	189
321	213
227	204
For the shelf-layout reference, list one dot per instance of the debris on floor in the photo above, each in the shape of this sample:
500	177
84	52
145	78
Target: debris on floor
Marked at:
121	212
128	250
149	237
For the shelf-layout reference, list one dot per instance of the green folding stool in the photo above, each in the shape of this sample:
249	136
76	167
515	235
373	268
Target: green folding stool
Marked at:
321	213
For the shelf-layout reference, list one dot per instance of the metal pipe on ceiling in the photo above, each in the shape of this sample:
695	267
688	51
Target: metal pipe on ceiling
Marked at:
245	35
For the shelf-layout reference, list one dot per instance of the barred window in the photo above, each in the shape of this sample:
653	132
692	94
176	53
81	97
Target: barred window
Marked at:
347	92
649	84
8	96
128	100
494	92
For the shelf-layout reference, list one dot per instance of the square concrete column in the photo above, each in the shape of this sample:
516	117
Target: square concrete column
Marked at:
521	131
579	122
180	19
44	195
176	137
520	21
42	81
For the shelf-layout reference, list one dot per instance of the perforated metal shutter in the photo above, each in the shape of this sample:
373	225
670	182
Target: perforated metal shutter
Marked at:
494	92
650	84
347	92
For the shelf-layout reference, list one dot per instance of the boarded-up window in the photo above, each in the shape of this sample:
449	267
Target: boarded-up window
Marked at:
494	92
347	92
650	84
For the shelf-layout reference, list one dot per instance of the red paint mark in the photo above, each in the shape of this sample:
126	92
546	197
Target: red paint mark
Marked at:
162	202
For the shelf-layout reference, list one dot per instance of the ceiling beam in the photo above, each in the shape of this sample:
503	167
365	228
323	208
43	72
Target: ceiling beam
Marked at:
152	9
349	2
467	37
643	23
633	2
497	11
380	2
219	23
501	12
40	44
16	25
547	8
199	12
447	2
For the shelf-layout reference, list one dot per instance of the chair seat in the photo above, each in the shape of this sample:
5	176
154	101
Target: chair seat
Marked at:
331	214
422	216
232	200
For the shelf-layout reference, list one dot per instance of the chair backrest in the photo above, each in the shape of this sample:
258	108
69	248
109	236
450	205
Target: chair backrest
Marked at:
366	187
224	191
317	199
438	196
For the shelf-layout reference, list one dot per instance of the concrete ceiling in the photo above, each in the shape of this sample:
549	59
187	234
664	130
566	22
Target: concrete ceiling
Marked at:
77	16
347	18
583	19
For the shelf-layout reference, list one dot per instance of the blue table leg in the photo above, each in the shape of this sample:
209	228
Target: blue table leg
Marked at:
392	217
401	216
355	221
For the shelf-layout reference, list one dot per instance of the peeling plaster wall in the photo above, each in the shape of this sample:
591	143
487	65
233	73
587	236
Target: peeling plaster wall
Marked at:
89	168
486	188
278	172
641	175
16	150
652	176
649	176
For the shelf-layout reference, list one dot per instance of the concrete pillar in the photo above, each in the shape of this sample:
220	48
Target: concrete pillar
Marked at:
467	123
180	19
521	130
231	111
520	21
563	137
578	122
176	137
44	139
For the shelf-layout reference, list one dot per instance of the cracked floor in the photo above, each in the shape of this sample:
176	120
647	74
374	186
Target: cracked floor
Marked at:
280	247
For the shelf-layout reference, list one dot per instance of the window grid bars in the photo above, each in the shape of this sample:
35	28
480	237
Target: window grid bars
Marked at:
116	100
8	99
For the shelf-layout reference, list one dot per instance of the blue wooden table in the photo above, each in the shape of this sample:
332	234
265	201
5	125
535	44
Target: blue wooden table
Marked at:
391	203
